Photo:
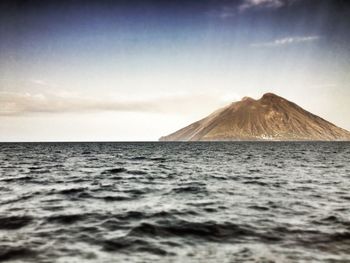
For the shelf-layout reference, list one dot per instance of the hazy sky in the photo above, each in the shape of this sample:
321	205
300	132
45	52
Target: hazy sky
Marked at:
137	70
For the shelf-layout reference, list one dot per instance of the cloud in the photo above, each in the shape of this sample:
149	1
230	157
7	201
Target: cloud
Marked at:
19	103
16	103
233	9
42	83
286	41
274	4
38	82
223	12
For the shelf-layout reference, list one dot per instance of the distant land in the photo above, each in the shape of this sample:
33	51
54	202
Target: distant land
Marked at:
270	118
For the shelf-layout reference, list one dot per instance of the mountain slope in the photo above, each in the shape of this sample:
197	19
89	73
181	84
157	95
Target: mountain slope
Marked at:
269	118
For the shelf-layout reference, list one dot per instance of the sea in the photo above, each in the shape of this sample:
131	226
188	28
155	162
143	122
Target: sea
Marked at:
175	202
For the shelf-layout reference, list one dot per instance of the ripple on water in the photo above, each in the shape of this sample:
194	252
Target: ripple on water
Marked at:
16	253
14	222
114	171
132	245
65	219
204	230
182	202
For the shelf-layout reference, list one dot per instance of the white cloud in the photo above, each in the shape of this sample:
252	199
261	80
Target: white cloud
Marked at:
16	103
19	103
229	11
249	4
286	41
223	12
42	83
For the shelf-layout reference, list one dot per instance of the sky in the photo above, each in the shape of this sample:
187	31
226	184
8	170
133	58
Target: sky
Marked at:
137	70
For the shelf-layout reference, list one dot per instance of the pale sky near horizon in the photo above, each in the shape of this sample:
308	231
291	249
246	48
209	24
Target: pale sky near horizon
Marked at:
137	70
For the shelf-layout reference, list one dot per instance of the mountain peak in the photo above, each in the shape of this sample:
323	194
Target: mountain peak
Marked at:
269	95
246	98
269	118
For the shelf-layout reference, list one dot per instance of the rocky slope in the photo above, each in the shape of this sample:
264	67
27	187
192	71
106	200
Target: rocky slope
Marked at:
269	118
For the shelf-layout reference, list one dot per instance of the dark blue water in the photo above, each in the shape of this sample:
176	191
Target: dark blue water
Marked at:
175	202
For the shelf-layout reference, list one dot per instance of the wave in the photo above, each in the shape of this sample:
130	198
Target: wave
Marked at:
207	230
14	222
132	245
15	253
114	171
200	202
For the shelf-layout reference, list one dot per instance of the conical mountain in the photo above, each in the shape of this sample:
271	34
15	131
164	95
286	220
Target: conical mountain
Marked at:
269	118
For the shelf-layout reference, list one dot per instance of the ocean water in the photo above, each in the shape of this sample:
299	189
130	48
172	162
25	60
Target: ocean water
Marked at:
175	202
